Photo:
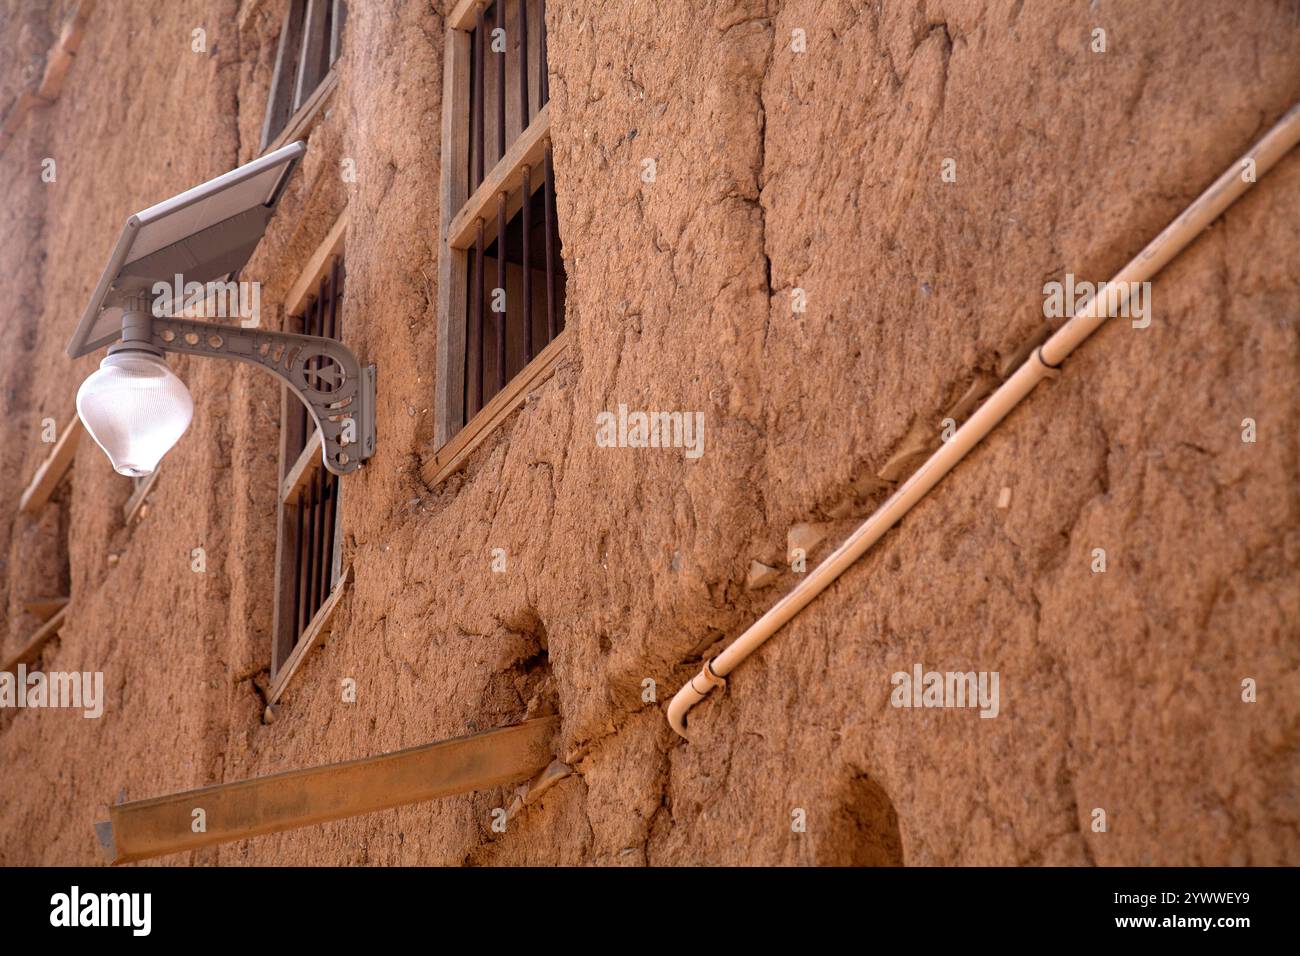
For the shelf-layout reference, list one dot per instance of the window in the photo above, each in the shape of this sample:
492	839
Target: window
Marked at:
501	273
309	572
44	528
310	41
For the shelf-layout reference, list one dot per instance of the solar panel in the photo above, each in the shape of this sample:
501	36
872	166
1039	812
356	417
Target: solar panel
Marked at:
206	233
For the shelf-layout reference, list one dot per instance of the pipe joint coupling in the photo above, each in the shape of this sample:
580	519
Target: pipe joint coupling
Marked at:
710	677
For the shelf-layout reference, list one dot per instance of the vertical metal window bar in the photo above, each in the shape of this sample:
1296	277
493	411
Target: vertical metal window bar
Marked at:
548	201
317	502
313	63
319	474
306	503
499	20
338	15
478	109
329	482
475	351
300	527
544	66
522	40
526	261
280	99
501	284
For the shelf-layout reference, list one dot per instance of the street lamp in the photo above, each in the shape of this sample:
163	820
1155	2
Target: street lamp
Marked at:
136	409
134	406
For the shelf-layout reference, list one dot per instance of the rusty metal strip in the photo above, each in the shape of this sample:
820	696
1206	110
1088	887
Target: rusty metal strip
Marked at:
285	801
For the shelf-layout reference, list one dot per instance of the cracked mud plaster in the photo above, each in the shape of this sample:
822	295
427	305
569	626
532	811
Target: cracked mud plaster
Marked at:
775	170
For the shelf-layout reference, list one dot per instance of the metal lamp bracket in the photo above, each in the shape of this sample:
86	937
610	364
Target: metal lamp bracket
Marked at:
338	392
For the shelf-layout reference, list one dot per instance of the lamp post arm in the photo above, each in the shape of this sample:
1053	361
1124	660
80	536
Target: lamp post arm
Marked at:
338	392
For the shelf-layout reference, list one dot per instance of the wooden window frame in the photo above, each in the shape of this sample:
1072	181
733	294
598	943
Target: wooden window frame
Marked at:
50	609
304	75
455	438
30	652
52	469
288	652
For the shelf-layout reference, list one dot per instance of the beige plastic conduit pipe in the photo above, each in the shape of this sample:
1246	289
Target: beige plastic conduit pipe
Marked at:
1208	207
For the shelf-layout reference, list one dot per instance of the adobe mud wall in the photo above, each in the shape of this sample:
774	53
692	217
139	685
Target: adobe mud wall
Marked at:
775	170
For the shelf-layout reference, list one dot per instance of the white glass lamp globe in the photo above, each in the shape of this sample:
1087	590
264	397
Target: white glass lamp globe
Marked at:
136	409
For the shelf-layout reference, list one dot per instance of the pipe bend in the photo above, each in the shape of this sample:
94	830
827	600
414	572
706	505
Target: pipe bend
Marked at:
690	695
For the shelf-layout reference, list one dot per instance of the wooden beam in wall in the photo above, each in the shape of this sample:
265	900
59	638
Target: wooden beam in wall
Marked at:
64	52
285	801
52	470
50	84
32	649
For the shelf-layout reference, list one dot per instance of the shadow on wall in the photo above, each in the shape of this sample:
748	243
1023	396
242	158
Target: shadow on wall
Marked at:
864	828
522	685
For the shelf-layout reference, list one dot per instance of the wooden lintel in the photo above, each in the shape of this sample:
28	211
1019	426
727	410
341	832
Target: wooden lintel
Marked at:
54	467
285	801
